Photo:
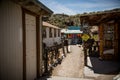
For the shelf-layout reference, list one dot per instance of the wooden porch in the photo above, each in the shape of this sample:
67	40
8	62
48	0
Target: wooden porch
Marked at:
108	30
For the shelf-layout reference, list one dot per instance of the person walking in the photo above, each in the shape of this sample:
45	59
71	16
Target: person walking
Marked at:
66	44
90	43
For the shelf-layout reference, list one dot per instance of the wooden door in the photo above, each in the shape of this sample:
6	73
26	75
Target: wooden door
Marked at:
31	63
108	43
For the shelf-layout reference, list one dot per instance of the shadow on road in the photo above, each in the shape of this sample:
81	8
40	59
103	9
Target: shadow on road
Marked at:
104	67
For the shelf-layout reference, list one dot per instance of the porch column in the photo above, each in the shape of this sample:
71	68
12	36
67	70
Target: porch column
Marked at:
116	41
101	28
38	44
40	34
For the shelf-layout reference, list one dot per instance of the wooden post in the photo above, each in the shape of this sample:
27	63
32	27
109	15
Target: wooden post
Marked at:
116	41
101	40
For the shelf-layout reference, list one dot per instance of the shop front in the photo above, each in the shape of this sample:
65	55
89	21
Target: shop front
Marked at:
73	34
108	27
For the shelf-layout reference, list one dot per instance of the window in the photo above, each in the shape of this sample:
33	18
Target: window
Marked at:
44	32
54	32
50	32
58	33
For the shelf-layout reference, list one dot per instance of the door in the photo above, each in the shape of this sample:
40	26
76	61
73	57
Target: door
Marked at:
107	41
31	63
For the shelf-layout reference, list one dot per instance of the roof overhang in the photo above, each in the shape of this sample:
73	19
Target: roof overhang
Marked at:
46	24
66	31
102	17
34	6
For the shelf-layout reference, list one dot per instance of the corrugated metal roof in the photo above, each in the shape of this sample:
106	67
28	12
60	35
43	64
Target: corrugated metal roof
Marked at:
50	25
66	31
73	27
73	32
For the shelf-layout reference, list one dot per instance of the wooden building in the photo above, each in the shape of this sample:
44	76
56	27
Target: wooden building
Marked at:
108	23
51	34
21	39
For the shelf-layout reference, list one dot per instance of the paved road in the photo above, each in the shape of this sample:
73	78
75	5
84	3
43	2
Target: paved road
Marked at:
72	65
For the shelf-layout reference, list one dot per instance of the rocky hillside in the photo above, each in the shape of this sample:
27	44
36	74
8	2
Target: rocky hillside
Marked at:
63	20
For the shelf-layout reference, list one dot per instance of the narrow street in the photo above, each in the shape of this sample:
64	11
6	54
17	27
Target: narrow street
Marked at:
72	65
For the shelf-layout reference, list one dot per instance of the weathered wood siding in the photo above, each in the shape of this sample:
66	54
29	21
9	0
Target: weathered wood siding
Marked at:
30	47
11	52
50	40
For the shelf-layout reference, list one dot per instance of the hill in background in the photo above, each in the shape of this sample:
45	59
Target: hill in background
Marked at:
64	20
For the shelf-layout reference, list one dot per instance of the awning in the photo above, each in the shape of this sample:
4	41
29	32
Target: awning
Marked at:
71	31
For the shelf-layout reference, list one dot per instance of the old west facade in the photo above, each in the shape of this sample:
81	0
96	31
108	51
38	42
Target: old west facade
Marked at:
21	38
51	34
108	30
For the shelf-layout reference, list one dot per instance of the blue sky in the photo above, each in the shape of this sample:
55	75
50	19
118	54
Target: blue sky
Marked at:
72	7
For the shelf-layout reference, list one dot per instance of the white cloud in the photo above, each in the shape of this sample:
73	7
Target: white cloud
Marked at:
81	6
95	4
59	8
